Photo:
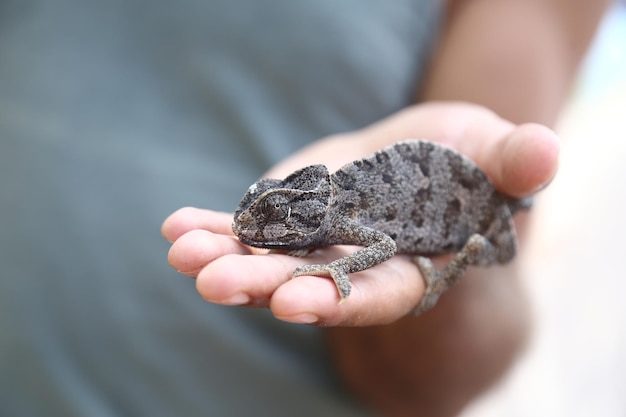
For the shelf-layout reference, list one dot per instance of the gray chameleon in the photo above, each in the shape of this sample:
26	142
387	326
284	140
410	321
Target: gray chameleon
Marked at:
414	197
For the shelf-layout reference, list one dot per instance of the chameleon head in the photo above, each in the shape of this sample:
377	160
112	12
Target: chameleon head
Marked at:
289	214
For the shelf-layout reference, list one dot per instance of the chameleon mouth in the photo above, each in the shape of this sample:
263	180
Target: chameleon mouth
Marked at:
262	243
253	237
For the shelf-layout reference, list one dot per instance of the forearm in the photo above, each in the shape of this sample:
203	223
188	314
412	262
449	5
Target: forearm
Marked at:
516	58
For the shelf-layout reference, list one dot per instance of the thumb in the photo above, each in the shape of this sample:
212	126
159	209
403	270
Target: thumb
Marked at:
519	159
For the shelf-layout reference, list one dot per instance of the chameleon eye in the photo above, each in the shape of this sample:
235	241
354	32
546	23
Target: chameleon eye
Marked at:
275	207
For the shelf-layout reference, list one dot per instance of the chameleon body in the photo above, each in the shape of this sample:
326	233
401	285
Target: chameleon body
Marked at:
414	197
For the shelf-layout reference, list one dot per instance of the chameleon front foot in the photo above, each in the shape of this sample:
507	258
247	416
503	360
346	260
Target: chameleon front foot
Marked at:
437	282
342	282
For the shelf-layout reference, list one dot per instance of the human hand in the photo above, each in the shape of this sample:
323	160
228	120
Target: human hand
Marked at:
518	159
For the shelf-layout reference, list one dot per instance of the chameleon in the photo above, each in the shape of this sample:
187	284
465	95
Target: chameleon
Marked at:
414	197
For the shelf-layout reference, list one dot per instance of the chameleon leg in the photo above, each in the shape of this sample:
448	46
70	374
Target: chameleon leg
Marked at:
338	270
437	282
378	248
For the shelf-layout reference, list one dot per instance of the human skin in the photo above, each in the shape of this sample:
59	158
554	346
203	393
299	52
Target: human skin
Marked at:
515	58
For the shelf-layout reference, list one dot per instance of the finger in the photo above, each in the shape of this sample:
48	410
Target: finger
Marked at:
194	250
245	280
518	159
529	160
190	218
314	300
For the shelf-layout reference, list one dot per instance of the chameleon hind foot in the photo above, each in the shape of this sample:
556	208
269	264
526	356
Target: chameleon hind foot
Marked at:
437	282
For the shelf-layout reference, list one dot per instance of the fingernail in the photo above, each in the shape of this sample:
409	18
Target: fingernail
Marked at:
304	318
237	299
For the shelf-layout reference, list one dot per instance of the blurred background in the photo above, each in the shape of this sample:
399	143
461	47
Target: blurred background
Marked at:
576	362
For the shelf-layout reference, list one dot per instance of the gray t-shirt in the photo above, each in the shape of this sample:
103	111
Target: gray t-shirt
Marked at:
115	113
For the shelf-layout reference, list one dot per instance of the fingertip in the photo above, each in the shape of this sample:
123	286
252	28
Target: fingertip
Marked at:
197	248
178	223
301	299
234	279
220	282
529	159
187	219
188	255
